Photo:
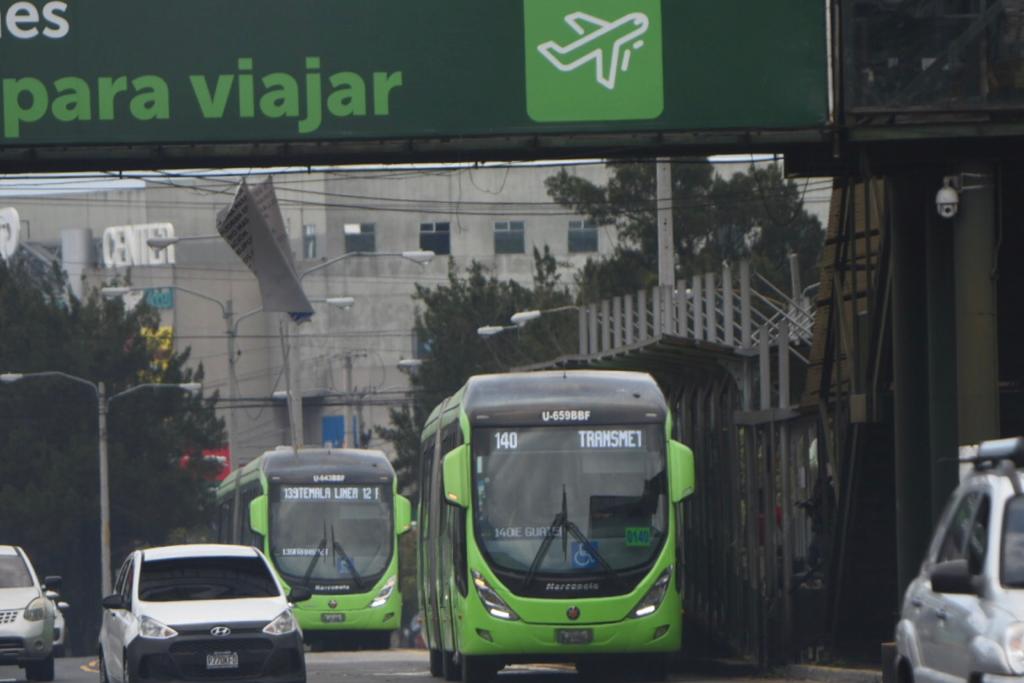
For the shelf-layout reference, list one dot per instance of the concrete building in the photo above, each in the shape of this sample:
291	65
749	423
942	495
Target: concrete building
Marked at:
494	215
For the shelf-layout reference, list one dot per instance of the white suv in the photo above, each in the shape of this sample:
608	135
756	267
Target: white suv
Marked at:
963	616
26	615
198	612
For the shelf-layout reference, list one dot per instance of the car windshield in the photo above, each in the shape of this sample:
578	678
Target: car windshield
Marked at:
206	578
597	492
1013	543
331	532
14	573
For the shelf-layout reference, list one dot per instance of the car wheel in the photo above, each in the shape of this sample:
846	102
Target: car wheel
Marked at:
436	665
40	671
476	669
127	673
102	666
449	666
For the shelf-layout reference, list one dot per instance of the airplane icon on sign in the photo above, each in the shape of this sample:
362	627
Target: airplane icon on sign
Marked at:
609	44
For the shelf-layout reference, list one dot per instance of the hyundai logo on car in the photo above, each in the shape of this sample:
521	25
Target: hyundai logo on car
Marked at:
220	631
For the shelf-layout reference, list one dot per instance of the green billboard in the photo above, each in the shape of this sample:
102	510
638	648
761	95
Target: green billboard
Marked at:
323	74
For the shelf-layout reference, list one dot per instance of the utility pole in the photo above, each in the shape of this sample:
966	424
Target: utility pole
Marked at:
352	441
666	251
292	369
101	394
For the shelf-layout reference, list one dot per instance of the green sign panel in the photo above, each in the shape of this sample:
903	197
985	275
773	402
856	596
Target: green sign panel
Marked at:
115	73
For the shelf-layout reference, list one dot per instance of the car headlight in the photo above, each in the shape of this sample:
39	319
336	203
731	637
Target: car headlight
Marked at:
36	610
1013	642
495	606
282	624
650	602
384	593
151	628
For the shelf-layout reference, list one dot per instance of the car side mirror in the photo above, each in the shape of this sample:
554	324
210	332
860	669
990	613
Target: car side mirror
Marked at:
953	577
53	582
258	515
299	594
403	514
455	473
681	475
114	601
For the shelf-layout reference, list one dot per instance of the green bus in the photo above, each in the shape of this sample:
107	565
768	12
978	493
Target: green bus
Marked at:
550	522
327	519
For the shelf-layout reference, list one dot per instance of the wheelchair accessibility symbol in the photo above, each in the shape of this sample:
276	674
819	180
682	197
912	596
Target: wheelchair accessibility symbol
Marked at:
581	558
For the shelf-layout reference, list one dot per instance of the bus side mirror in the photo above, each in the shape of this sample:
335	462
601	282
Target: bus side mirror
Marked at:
403	514
258	515
680	471
456	476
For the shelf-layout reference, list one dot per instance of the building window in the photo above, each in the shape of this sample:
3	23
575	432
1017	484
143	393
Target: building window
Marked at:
509	237
435	237
582	237
309	241
360	237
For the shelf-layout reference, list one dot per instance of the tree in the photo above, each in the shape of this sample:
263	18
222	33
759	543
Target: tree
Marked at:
446	327
758	215
48	439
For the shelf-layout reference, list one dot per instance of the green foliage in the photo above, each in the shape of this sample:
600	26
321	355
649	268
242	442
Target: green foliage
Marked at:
49	440
447	326
714	220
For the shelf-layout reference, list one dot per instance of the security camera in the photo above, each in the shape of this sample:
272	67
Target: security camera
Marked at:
947	199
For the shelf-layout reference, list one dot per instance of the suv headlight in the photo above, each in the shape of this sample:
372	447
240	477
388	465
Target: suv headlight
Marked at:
495	606
151	628
282	624
36	610
1013	642
384	593
654	596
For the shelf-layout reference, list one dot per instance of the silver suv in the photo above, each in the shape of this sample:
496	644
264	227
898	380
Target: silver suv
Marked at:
963	616
26	615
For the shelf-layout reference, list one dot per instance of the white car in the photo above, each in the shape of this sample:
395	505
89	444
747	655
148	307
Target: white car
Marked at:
194	612
26	615
963	616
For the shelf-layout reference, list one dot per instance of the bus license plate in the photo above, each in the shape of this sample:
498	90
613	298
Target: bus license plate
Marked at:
222	660
332	617
574	636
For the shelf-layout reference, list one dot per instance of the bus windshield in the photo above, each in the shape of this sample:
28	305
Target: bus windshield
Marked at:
331	533
598	492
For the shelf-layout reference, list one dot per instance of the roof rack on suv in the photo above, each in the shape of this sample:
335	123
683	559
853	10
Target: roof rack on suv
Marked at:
1005	455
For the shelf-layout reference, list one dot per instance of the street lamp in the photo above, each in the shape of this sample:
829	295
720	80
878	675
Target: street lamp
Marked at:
231	324
491	330
522	317
410	364
103	407
293	364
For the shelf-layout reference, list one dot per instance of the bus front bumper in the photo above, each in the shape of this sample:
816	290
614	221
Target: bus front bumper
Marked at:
519	641
320	617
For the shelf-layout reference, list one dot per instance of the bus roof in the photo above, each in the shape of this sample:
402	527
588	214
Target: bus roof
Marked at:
357	464
605	396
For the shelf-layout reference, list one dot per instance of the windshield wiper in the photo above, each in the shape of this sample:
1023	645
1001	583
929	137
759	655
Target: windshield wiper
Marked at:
336	547
320	548
562	523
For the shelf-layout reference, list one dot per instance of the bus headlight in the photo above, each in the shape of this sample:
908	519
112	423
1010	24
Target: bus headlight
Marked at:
385	593
654	596
282	624
1013	642
36	610
151	628
495	606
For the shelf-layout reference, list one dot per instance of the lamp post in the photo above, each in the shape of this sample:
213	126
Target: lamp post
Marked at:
293	354
103	407
520	318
